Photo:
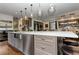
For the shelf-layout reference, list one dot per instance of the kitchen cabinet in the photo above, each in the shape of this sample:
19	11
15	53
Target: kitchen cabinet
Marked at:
11	39
28	44
69	25
71	46
15	24
15	41
18	41
38	26
39	43
45	45
34	45
5	24
46	26
24	43
25	24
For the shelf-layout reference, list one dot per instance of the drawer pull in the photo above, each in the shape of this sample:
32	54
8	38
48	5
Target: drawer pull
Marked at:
43	39
42	48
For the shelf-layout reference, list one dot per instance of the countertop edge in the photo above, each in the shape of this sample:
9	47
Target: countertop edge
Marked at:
50	33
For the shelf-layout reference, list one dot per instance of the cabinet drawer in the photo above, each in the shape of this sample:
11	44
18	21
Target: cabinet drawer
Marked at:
45	38
40	41
40	52
47	48
46	44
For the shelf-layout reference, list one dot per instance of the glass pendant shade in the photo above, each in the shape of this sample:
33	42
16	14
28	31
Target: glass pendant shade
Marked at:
51	8
31	11
40	13
25	14
25	17
31	15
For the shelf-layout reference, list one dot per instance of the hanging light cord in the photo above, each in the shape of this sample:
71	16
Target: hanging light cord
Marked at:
39	5
25	11
21	13
31	7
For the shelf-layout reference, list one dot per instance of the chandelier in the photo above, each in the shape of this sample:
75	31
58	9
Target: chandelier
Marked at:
40	13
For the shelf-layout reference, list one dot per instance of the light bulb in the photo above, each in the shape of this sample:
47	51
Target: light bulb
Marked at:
51	5
25	17
16	12
31	15
39	12
20	18
51	9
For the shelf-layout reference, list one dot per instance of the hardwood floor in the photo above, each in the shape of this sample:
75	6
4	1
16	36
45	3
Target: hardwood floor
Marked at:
7	49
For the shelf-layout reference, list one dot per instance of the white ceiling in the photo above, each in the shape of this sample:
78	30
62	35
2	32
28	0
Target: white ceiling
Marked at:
12	8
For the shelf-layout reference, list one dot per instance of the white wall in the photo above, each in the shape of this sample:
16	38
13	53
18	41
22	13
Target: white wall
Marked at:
6	17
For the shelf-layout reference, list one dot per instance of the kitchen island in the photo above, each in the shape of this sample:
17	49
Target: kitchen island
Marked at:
39	42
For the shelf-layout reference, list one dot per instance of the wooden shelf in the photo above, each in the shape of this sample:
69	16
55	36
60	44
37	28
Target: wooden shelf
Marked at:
69	19
66	52
70	49
70	41
74	50
69	25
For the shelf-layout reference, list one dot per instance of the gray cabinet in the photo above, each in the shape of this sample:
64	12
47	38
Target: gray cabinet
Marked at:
45	45
28	44
34	44
11	39
24	43
18	42
15	41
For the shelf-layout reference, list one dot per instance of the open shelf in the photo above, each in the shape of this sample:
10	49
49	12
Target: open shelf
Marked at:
71	46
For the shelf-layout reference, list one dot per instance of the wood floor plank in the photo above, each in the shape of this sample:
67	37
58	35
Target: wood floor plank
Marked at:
7	49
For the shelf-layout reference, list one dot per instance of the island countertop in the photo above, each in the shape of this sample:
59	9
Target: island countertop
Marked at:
50	33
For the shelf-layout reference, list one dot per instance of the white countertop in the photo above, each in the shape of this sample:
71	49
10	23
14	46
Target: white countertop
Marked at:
50	33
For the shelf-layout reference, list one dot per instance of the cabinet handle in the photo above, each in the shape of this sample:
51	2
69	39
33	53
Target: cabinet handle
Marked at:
43	39
20	36
42	48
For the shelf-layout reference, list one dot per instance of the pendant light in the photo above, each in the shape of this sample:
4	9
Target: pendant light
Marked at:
51	8
39	12
25	14
20	21
21	14
31	10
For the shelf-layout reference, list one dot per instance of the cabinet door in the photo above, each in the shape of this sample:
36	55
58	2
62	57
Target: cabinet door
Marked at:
18	42
45	46
20	45
11	39
28	44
